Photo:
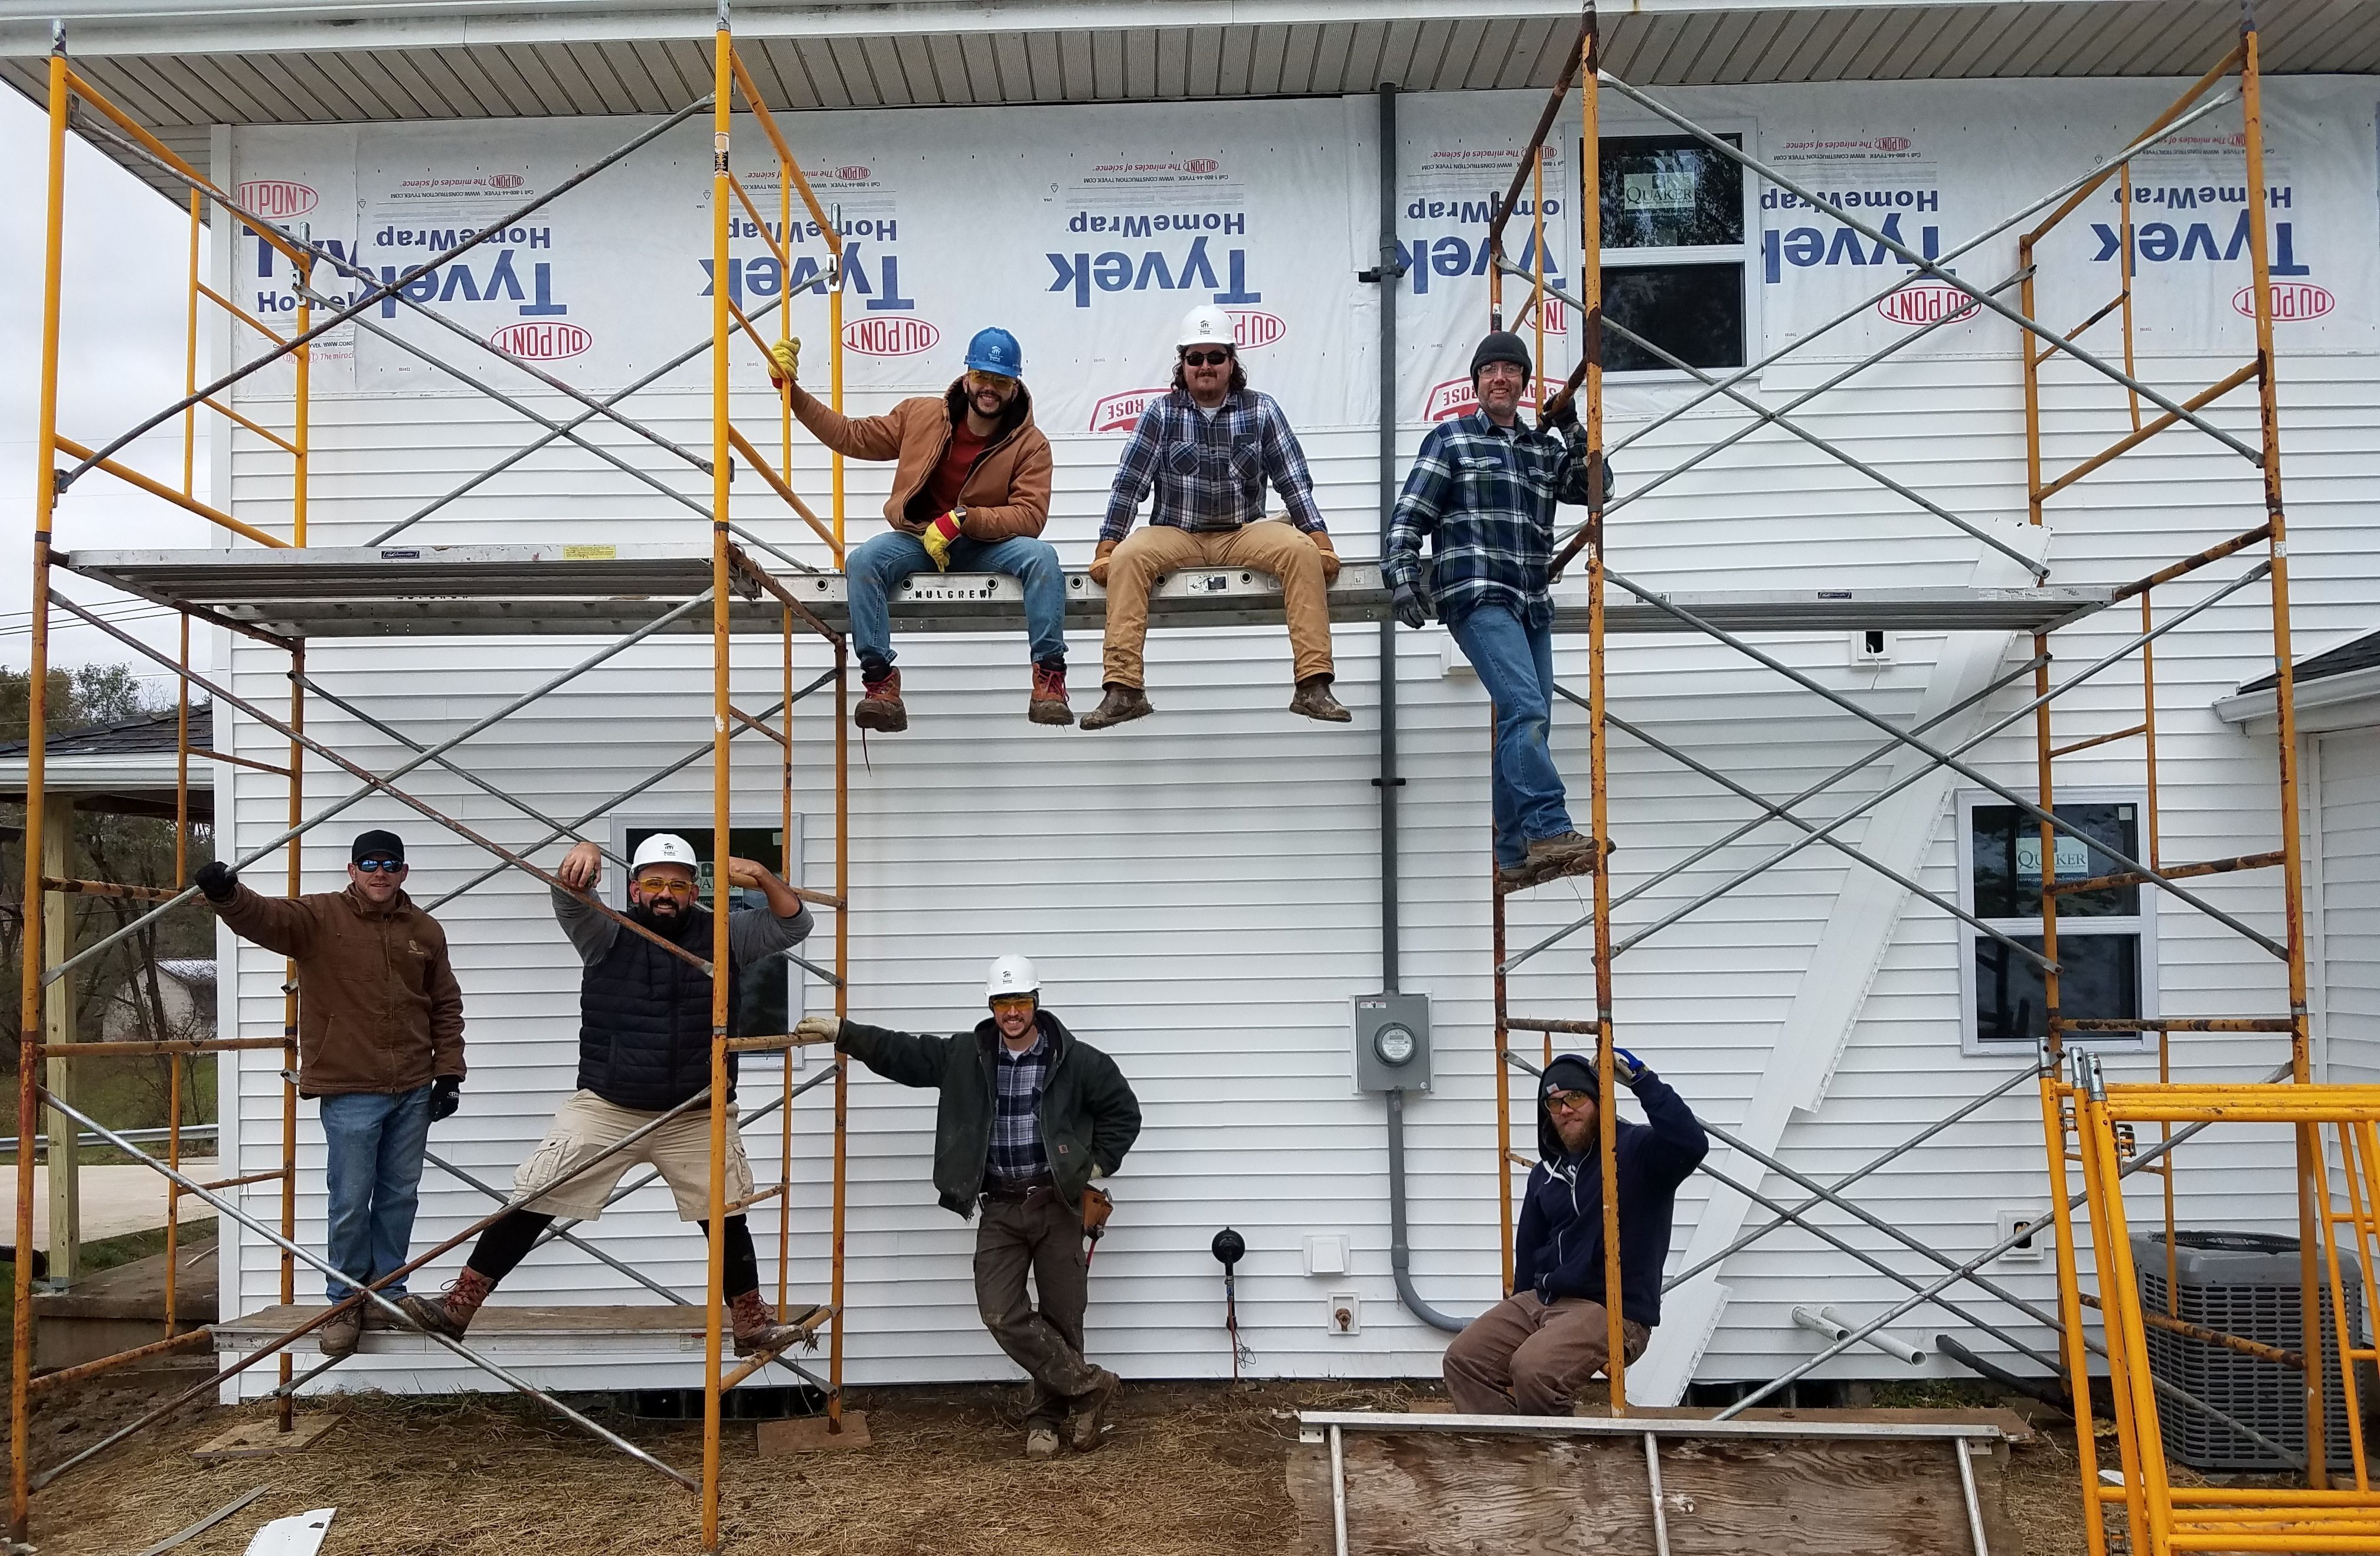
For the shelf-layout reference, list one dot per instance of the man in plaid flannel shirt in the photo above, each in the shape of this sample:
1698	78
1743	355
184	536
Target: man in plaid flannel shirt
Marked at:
1482	491
1029	1116
1209	448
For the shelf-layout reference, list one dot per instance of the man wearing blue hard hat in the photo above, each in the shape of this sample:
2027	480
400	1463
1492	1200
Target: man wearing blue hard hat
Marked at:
971	492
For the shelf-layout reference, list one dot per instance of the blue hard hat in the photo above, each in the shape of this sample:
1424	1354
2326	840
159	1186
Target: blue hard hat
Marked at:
995	350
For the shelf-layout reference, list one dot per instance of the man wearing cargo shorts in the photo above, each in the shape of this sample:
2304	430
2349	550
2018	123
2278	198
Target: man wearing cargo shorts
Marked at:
644	1048
1531	1353
1029	1116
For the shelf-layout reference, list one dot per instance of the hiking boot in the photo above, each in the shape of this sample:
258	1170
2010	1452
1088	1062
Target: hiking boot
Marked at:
1041	1441
342	1333
1090	1409
1121	705
758	1333
451	1314
1049	705
879	704
1550	859
1313	700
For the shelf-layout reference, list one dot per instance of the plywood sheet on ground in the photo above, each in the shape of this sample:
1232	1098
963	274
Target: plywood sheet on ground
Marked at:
1456	1494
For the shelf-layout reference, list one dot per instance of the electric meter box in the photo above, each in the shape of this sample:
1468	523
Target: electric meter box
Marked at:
1392	1042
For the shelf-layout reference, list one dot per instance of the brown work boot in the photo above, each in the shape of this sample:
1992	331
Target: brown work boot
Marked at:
1091	1408
758	1333
880	705
451	1314
1313	700
1049	705
1550	859
342	1333
1040	1440
1121	705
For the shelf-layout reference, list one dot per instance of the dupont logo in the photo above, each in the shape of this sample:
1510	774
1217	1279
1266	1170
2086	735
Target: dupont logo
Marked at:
1927	302
1556	317
851	175
1456	397
1252	328
2292	300
277	199
890	337
1200	164
542	342
1892	142
505	180
1121	413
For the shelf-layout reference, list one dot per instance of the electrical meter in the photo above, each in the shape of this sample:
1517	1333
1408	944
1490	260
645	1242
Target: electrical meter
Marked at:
1392	1042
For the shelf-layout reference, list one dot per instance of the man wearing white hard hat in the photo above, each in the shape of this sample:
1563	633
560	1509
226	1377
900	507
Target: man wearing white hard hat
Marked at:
1029	1116
1209	449
644	1048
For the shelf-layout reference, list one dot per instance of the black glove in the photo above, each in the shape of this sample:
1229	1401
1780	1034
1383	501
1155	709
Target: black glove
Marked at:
445	1096
1408	606
1603	496
218	880
1564	413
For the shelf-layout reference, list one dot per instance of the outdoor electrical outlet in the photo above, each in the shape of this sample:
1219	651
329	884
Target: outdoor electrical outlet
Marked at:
1345	1315
2033	1250
1872	646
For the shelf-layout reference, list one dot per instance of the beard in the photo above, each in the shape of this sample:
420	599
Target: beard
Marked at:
660	915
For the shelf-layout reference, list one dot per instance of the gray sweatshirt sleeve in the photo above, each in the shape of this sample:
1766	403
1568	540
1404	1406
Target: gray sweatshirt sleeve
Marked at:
589	931
755	933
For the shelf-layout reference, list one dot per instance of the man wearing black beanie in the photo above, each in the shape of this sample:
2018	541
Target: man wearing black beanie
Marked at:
1531	1353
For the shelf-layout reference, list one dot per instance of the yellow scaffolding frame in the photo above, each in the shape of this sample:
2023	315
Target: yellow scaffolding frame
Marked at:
732	572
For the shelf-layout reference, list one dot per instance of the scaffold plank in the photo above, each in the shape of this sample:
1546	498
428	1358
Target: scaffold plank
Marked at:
585	589
573	1332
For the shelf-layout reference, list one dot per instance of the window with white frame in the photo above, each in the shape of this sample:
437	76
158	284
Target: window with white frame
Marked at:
769	997
1677	251
2107	939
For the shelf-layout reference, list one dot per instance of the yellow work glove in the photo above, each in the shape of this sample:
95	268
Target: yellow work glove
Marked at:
938	536
785	362
1329	555
819	1029
1099	562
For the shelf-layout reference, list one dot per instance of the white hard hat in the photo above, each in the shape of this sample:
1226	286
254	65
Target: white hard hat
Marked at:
1012	974
1206	325
665	848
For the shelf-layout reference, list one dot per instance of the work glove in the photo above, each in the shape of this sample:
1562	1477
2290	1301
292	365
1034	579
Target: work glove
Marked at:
938	536
1097	1209
819	1029
1408	606
218	880
445	1096
1627	1069
1099	562
1562	413
784	363
1329	555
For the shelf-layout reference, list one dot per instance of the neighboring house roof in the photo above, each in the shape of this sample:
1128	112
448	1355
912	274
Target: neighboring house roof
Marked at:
156	732
2361	654
2338	688
126	769
196	971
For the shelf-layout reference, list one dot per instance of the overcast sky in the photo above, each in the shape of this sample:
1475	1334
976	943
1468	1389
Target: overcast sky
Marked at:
120	362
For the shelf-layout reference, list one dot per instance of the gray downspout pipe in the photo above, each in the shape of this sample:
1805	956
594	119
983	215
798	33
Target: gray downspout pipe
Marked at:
1387	276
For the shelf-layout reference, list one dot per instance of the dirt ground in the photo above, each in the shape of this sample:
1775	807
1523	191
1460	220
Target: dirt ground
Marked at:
1188	1468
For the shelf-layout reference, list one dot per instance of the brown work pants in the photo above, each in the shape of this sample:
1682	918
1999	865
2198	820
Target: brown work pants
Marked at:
1527	1358
1270	545
1043	1237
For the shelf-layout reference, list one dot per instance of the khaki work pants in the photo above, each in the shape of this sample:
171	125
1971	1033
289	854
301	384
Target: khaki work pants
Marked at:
1527	1358
1044	1237
1271	545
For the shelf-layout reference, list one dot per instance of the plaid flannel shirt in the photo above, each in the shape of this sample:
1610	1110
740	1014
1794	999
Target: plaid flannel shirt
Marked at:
1210	471
1016	1150
1484	497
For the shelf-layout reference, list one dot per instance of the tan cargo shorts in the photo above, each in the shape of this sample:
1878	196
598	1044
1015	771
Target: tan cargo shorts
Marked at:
587	1124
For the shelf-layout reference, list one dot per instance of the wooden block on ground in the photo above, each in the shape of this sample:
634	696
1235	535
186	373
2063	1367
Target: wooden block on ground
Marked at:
807	1434
253	1439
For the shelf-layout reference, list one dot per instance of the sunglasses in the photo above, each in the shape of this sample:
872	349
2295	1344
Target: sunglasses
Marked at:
666	886
373	867
1568	1101
1205	358
1013	1002
976	379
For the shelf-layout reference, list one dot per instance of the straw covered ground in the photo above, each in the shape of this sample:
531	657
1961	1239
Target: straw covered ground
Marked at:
1189	1468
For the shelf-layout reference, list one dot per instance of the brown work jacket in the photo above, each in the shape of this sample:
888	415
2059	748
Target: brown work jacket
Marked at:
1007	491
378	1007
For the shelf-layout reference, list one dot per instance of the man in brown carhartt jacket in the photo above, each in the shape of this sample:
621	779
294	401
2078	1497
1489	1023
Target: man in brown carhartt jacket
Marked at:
380	1041
971	491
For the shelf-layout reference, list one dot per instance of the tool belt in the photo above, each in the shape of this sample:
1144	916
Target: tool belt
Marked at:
1016	1191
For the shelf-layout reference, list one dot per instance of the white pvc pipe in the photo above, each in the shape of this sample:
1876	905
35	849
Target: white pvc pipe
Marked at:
1837	1329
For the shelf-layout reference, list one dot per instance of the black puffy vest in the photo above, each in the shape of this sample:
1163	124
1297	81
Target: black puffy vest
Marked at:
644	1021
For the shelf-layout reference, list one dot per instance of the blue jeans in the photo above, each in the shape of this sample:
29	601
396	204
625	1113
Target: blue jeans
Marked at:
375	1181
876	569
1515	662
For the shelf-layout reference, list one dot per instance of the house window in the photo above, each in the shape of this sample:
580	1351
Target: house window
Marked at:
1676	259
768	996
2107	939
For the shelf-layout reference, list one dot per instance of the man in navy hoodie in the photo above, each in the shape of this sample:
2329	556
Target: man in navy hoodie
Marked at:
1531	1353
